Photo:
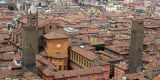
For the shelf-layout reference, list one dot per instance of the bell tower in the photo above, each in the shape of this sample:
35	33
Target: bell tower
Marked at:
30	40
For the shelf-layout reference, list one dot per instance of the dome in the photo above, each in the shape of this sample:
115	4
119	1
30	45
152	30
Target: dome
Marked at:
32	9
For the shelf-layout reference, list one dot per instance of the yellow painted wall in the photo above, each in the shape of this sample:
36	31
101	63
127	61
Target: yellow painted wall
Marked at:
80	60
52	48
60	62
104	57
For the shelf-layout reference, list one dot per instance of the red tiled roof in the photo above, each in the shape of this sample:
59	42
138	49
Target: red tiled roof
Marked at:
83	52
7	56
53	35
60	55
81	72
9	73
8	48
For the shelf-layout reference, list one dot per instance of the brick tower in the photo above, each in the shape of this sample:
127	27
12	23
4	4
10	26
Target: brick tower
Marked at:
30	40
136	46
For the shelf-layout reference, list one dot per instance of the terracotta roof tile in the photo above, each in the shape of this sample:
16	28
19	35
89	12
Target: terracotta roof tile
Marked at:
83	52
81	72
7	73
10	56
122	66
60	55
8	48
156	78
136	76
53	35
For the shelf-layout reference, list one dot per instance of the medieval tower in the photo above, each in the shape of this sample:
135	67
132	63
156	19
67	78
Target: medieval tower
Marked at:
30	41
136	46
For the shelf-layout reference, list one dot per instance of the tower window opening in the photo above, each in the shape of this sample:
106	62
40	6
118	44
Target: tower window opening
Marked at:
50	27
30	46
33	24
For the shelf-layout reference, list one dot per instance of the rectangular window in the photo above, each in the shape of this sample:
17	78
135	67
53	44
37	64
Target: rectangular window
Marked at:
77	58
84	62
71	56
60	67
90	64
87	63
80	60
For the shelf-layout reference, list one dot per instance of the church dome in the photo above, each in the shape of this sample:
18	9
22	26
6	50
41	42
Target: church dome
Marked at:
32	9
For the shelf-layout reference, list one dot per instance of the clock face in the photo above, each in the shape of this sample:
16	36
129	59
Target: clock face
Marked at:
58	45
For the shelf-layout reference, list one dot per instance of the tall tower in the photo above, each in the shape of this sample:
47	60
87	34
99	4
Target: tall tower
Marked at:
136	46
30	40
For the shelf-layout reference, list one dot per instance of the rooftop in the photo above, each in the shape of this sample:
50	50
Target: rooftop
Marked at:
53	35
157	77
122	65
136	76
81	72
60	55
84	52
